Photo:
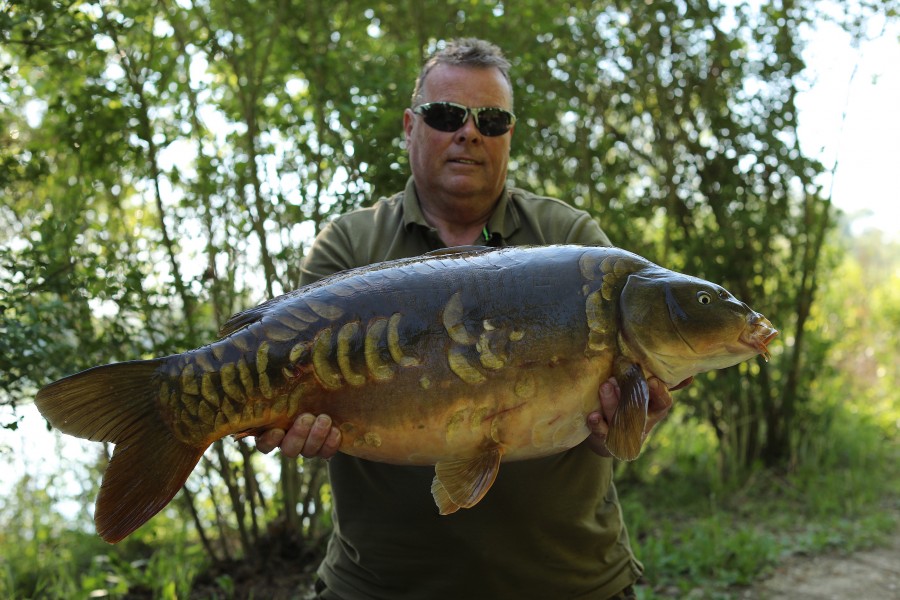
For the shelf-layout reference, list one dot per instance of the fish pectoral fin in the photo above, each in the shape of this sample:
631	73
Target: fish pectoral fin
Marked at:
626	432
463	483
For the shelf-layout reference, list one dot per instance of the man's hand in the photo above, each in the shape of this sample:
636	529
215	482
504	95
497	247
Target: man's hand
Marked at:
657	409
309	436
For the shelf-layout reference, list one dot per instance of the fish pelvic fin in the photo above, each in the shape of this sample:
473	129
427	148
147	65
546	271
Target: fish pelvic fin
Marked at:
462	483
118	403
626	432
445	505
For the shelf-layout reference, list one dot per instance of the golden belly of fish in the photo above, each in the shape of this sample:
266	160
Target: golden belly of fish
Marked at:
461	360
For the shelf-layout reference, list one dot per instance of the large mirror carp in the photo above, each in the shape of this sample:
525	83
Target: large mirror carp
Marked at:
461	359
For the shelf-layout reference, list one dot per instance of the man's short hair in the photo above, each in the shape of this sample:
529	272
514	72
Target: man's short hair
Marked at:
464	52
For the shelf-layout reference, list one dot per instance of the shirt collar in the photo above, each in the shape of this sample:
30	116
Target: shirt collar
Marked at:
505	219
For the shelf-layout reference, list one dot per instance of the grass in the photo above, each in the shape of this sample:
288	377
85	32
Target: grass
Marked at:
164	572
700	537
48	557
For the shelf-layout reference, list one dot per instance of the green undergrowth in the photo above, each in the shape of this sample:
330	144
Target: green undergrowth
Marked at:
702	535
47	556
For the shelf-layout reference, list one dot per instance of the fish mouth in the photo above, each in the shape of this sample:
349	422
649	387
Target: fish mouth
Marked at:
758	334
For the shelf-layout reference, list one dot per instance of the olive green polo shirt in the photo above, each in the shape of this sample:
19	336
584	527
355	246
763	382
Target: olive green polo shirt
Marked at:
548	528
396	228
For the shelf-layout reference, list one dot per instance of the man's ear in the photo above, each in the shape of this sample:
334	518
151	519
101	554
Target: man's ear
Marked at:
408	118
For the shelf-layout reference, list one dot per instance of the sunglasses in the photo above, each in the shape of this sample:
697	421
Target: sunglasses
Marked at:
449	116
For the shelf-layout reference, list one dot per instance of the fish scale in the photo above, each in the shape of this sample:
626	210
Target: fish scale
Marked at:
461	359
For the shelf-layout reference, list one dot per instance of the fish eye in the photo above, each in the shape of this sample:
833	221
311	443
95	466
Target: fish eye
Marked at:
704	297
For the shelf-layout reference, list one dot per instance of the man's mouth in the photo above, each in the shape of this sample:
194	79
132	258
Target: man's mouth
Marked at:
464	161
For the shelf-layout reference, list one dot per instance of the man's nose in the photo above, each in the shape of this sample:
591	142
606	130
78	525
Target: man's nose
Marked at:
468	131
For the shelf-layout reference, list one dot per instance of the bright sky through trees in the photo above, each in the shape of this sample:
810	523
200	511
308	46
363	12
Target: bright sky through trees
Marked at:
851	114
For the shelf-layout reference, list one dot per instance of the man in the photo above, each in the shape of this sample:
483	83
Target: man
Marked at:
551	527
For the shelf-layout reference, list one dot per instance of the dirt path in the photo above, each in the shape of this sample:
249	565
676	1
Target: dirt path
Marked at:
867	575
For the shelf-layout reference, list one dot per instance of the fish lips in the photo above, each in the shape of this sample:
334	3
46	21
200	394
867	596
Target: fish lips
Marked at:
758	333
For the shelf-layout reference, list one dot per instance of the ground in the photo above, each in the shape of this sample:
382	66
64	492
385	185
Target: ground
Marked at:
867	575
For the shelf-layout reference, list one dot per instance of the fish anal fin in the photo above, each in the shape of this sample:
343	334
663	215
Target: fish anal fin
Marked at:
462	483
626	432
142	477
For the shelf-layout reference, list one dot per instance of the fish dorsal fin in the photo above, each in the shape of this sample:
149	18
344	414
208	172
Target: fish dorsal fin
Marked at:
252	315
626	432
462	483
460	251
241	320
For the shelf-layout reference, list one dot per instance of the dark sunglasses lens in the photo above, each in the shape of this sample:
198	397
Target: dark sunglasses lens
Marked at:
494	121
444	117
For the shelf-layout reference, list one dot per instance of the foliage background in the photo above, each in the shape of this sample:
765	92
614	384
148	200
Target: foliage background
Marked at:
165	164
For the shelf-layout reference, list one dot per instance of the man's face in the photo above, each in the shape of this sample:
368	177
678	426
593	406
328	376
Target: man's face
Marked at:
462	163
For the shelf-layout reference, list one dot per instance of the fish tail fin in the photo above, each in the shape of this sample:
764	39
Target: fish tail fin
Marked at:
118	403
144	474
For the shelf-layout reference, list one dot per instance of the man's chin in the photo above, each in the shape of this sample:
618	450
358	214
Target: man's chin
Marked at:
469	185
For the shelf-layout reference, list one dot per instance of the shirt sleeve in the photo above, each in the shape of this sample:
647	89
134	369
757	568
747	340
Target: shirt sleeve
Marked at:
332	251
585	230
548	220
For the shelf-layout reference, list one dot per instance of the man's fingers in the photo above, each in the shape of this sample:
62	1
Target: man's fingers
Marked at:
296	437
321	428
660	403
684	383
598	424
597	443
609	398
269	440
599	420
332	443
311	436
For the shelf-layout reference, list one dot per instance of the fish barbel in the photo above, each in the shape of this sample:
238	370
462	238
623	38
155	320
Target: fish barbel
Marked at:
459	359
